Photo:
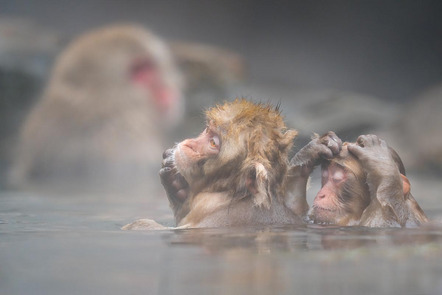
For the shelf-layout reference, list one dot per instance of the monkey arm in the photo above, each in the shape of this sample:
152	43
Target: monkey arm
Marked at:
397	202
296	190
389	190
302	165
324	147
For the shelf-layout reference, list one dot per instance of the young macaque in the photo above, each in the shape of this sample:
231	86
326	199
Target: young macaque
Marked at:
235	172
366	185
103	114
235	169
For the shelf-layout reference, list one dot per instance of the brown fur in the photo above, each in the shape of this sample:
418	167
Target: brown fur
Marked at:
244	183
376	192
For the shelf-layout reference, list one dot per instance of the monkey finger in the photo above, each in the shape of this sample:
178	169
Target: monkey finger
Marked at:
356	149
332	141
333	136
334	146
325	152
377	140
165	172
168	162
336	139
331	145
373	140
362	140
167	153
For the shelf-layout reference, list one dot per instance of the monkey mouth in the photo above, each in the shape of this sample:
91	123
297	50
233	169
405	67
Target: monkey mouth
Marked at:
316	207
322	216
189	149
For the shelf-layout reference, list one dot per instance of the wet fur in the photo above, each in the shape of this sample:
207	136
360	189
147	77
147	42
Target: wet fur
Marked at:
245	183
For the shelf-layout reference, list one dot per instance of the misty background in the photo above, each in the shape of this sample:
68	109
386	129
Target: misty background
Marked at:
354	67
349	66
389	49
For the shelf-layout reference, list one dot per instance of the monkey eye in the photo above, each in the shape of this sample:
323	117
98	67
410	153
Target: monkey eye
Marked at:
214	141
338	176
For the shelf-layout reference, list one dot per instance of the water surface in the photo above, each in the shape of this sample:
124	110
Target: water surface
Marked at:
58	244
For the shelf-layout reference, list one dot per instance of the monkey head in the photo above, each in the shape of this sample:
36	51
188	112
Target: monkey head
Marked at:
125	58
242	151
344	193
349	185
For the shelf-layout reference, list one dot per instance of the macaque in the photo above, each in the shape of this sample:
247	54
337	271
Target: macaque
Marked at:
111	96
235	169
235	172
366	185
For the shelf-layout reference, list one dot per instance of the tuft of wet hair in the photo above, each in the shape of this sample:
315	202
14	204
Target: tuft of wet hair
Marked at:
266	139
242	112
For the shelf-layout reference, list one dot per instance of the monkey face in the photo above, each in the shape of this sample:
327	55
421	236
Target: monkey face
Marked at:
191	154
242	151
344	194
327	206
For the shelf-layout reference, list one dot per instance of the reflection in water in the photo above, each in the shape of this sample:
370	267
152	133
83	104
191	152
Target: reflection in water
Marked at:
303	238
74	245
313	260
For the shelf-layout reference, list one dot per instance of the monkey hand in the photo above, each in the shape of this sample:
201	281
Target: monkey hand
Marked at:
325	147
374	155
176	187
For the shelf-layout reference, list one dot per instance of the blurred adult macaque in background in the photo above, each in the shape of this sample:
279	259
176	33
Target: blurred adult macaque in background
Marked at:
211	74
104	113
209	71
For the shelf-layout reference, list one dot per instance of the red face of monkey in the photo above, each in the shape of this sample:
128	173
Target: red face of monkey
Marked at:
191	154
344	194
326	201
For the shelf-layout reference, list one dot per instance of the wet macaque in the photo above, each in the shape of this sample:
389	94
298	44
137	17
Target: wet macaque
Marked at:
366	185
235	169
112	94
236	172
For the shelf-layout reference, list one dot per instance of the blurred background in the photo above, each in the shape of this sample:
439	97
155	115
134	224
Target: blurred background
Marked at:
354	67
389	50
334	65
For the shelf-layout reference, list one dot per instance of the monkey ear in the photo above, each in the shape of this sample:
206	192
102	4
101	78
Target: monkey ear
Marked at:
406	184
257	184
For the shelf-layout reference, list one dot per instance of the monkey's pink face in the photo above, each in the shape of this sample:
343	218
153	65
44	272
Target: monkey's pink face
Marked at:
191	154
148	74
326	205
